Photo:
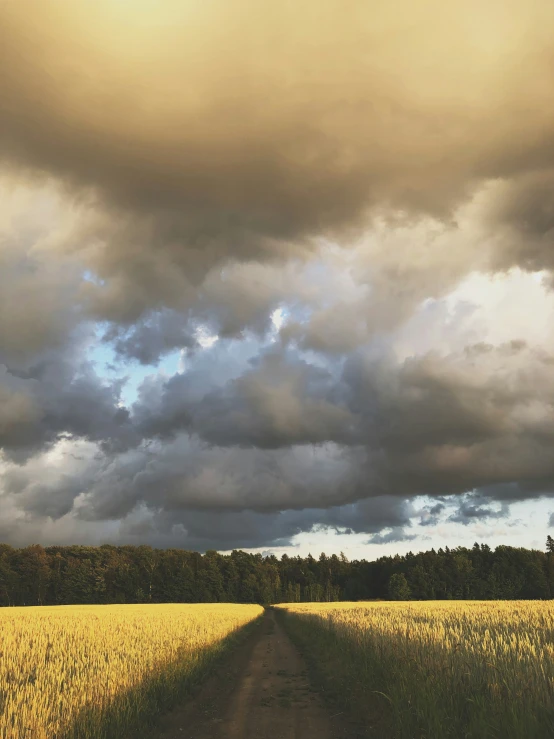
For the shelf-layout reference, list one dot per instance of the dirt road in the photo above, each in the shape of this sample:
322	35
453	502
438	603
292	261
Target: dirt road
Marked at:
262	692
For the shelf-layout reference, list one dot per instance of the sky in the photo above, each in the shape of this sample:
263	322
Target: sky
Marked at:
277	277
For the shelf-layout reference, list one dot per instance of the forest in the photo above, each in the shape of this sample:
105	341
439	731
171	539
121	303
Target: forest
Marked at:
56	575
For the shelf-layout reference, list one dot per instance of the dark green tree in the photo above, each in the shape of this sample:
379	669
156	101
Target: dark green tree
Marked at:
127	574
398	587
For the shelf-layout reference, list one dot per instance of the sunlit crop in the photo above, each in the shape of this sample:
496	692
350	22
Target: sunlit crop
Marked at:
438	669
95	671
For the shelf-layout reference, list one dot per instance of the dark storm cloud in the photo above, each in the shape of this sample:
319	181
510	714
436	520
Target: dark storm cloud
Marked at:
525	203
203	530
152	337
176	170
185	494
394	535
476	508
451	424
430	424
199	530
230	530
523	210
433	426
187	473
185	497
163	105
226	131
19	416
347	449
430	515
369	516
521	490
39	295
279	403
60	396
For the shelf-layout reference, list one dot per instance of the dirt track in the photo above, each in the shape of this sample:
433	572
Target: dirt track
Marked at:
262	692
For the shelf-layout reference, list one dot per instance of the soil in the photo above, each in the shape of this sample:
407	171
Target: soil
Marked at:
262	691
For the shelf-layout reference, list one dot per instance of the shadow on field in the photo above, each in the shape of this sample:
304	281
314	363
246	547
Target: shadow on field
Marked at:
133	713
336	676
395	694
262	692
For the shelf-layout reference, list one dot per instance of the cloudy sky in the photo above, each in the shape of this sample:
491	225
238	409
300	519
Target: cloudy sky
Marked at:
277	276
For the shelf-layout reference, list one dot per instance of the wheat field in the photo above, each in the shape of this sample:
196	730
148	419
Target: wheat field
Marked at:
436	669
80	672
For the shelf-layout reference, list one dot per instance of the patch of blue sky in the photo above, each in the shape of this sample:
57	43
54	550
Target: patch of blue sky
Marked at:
110	366
136	373
90	276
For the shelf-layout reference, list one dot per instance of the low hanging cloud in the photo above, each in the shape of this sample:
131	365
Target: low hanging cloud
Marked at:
474	507
213	131
284	119
325	219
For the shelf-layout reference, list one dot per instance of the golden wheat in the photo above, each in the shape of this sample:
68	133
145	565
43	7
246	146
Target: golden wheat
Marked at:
444	668
71	670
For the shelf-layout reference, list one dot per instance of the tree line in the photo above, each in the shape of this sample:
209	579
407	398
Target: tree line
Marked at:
37	575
